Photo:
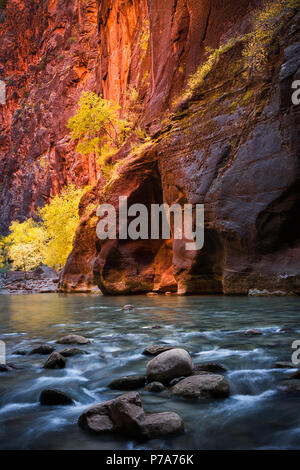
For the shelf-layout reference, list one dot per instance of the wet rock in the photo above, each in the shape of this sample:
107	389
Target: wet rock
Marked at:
283	365
20	352
43	349
169	365
292	389
202	386
96	418
161	424
296	375
285	330
55	361
129	382
53	397
128	308
73	339
156	349
209	367
5	368
252	333
70	352
125	415
152	327
155	387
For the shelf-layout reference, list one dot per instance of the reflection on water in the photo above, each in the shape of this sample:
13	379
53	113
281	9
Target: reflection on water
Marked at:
211	328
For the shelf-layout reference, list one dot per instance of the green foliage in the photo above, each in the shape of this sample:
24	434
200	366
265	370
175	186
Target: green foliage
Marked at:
97	127
48	241
266	24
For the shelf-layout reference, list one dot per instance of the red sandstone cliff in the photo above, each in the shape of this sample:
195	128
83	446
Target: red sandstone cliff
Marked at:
238	157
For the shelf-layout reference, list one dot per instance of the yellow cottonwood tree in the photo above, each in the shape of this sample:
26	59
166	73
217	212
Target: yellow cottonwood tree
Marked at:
59	220
47	241
24	245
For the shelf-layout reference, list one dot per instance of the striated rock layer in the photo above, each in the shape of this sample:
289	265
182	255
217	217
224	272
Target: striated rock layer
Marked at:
234	145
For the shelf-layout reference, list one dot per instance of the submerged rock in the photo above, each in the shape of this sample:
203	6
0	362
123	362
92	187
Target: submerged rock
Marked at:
169	365
20	352
283	365
55	361
209	367
125	414
5	368
129	382
204	386
73	339
296	375
128	308
155	387
43	349
69	352
52	397
252	332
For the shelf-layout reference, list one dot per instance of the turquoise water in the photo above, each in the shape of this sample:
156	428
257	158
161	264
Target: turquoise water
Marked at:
257	414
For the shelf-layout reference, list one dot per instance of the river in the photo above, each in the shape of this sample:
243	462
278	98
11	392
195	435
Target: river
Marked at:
257	415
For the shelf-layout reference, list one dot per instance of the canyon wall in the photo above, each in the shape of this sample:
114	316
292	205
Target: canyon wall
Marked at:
233	145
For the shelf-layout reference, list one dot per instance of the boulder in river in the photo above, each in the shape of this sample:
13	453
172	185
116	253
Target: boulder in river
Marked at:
5	368
125	414
169	365
128	308
293	389
73	339
43	349
157	349
252	332
129	382
283	365
209	367
155	387
69	352
20	352
296	375
161	424
53	397
55	361
202	386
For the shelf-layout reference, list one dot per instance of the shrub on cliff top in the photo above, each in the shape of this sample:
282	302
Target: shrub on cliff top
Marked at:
266	23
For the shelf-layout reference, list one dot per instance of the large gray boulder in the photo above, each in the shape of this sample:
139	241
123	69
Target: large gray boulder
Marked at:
203	386
169	365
